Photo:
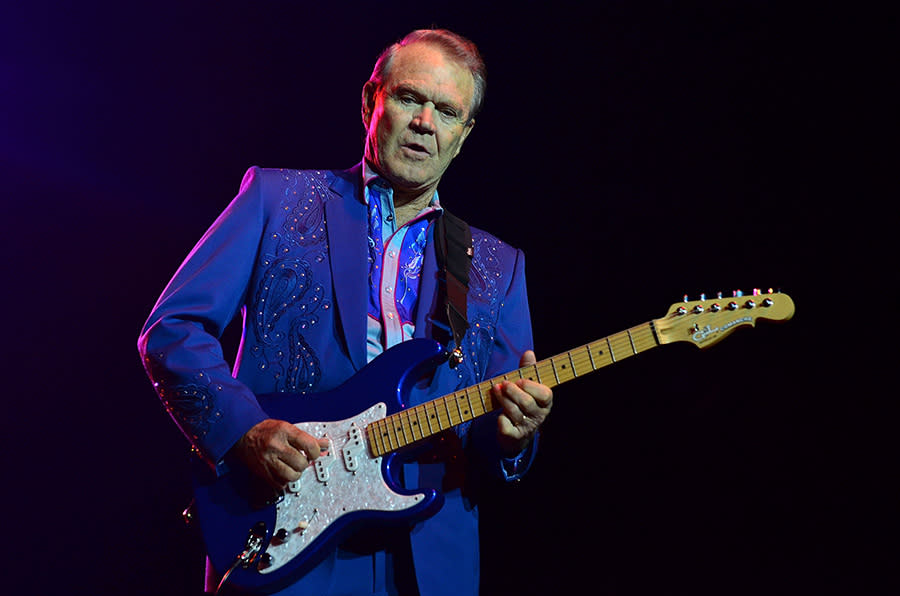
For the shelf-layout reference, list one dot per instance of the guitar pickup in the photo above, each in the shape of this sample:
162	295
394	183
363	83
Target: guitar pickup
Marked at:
352	449
323	463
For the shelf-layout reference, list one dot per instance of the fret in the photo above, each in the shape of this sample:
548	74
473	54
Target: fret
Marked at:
402	439
422	427
376	446
409	431
631	341
428	418
621	346
566	373
474	407
447	406
609	347
484	405
572	363
601	352
458	417
391	439
584	360
648	338
442	417
544	369
465	410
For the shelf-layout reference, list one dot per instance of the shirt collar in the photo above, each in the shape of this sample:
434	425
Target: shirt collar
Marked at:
370	176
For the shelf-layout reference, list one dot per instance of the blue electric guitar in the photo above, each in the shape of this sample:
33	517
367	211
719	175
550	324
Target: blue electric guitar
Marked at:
261	542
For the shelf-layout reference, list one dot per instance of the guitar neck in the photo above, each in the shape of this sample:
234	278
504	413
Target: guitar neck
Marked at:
420	422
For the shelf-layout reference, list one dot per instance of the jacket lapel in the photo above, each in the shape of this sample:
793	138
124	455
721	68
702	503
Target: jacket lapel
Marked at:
347	233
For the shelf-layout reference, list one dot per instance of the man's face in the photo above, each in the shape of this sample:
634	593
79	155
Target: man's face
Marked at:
418	119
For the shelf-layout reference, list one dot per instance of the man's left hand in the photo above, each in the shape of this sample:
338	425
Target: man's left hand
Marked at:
525	406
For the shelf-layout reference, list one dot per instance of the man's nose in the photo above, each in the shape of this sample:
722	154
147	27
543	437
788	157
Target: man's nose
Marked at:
423	121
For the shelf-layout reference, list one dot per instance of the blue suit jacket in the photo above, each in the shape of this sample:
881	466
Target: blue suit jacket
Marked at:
290	254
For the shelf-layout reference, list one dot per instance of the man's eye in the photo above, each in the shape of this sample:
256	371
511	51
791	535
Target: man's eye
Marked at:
407	99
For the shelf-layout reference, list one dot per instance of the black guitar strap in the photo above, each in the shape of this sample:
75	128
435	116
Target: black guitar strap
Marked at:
453	248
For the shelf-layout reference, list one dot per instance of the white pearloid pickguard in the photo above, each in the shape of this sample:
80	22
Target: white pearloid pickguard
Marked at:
344	480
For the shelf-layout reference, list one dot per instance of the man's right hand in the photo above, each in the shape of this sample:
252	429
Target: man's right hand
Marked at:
277	451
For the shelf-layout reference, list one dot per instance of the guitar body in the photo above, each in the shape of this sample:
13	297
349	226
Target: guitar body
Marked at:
346	488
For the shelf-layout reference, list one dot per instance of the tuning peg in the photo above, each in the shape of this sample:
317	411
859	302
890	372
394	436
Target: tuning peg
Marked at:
702	296
737	293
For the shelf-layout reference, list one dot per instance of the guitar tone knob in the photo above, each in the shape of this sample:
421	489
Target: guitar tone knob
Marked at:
265	561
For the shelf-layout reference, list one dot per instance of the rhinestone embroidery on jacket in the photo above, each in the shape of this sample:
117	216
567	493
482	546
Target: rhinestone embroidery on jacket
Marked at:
287	287
485	281
192	405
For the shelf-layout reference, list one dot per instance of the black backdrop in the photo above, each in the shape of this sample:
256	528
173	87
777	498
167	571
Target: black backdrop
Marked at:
635	151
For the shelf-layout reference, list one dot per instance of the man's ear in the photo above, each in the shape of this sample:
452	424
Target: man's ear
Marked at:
369	91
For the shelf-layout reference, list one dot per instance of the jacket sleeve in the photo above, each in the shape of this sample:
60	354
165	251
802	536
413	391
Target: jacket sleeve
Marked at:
179	344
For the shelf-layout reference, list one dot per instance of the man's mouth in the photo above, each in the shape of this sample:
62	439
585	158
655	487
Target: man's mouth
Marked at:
416	148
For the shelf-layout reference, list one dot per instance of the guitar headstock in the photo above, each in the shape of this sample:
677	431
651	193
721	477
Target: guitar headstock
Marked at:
705	322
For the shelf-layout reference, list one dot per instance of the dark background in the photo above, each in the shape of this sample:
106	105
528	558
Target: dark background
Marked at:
636	151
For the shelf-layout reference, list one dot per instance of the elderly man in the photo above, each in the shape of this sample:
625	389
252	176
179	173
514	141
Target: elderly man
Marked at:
330	269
